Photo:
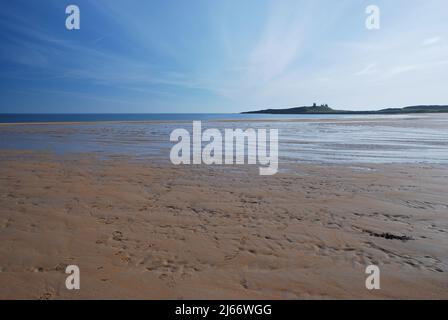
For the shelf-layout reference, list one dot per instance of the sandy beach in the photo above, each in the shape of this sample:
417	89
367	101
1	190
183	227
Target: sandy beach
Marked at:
156	231
252	151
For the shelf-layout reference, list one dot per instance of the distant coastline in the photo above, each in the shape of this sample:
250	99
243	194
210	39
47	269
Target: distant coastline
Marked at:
325	109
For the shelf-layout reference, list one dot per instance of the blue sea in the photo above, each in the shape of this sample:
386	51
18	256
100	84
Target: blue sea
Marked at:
355	139
125	117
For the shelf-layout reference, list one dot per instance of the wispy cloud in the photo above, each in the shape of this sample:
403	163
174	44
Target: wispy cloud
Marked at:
431	41
225	56
368	70
280	43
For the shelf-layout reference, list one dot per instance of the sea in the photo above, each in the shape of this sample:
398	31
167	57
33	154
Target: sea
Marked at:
354	139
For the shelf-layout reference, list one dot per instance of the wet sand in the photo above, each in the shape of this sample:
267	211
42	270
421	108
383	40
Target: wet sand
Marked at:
156	231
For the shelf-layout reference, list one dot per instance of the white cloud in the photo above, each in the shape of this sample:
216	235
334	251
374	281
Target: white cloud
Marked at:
403	69
279	44
364	70
431	41
368	70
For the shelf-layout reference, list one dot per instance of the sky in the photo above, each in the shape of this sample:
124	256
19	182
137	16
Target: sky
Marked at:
220	56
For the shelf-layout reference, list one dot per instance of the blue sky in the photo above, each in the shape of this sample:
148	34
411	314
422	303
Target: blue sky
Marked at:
220	55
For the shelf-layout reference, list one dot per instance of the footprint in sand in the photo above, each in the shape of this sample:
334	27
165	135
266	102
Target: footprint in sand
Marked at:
117	236
46	296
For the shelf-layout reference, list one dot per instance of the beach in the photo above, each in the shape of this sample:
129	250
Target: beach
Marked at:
138	231
139	228
251	152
